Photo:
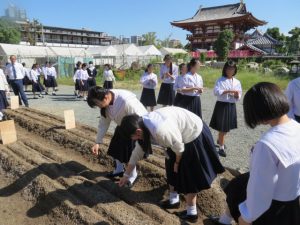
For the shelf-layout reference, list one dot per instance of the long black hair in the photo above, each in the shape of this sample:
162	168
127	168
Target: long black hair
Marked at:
168	57
147	68
128	127
97	93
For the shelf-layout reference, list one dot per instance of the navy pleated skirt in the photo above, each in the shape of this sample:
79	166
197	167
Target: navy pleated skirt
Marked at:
224	117
83	86
297	118
279	213
198	167
26	81
166	94
50	82
120	148
191	103
36	87
108	84
92	82
3	100
148	97
39	81
77	86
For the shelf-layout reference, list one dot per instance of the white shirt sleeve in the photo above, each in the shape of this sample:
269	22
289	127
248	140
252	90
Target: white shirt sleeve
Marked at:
261	184
218	90
137	154
102	129
239	89
54	74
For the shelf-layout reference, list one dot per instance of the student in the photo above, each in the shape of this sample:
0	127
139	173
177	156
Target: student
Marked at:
293	95
26	79
4	91
228	91
168	74
76	78
269	193
39	72
191	88
178	85
15	73
114	105
192	162
83	81
35	84
50	77
108	77
149	82
92	71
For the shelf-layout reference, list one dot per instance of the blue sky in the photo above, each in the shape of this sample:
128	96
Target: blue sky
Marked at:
135	17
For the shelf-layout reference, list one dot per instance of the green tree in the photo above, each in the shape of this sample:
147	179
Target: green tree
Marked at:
274	32
293	42
9	32
202	57
149	38
223	43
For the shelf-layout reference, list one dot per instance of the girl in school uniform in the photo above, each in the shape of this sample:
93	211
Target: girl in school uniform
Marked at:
4	91
149	82
39	72
190	89
92	71
35	84
269	193
76	78
114	105
293	95
168	74
192	162
50	78
178	85
108	76
26	80
83	81
228	90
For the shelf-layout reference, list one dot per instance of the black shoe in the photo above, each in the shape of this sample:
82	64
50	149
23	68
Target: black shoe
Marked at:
113	175
46	93
222	153
184	216
167	205
215	220
218	145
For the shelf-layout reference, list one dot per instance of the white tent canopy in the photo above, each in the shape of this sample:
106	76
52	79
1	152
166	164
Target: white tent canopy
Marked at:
69	52
172	51
150	50
128	50
102	51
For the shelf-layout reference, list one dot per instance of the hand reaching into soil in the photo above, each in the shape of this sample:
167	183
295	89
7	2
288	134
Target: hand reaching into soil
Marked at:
123	181
95	149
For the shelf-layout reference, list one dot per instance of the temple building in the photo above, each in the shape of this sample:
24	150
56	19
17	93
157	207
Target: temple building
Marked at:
207	23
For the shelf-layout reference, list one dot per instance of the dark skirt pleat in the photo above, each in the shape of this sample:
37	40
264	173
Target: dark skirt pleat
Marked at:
224	117
199	165
26	81
119	147
297	118
77	86
49	82
36	87
279	213
191	103
3	100
39	81
108	84
166	94
91	82
148	97
83	86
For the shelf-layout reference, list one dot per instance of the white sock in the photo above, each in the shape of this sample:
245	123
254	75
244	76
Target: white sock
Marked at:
1	115
225	219
174	197
191	210
133	176
119	167
222	147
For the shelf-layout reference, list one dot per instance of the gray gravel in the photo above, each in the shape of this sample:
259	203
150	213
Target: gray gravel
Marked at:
238	141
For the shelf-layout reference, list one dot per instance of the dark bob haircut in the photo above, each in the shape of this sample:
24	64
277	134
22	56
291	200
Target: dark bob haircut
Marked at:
167	57
97	93
263	102
229	64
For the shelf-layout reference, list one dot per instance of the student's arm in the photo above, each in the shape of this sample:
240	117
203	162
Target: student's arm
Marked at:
102	129
261	184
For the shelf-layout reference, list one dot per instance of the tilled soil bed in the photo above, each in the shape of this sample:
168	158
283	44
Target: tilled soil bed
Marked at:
50	177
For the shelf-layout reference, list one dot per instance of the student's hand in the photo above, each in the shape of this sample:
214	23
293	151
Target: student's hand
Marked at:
200	90
236	94
243	222
176	166
123	181
95	149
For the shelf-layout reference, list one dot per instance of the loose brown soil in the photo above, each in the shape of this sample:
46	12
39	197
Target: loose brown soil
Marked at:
50	177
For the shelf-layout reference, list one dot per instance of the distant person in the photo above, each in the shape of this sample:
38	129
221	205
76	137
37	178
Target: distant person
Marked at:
191	88
149	82
76	78
26	79
36	86
228	90
15	72
114	105
108	76
293	94
92	71
269	193
4	91
38	73
50	78
178	85
83	81
168	74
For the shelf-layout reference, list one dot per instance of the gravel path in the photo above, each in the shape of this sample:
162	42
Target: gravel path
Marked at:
238	141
